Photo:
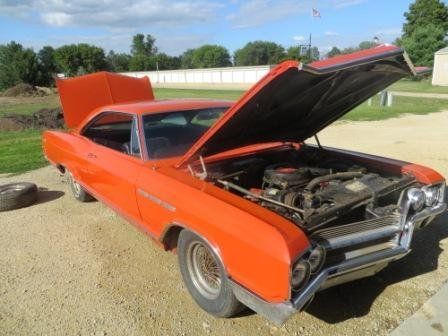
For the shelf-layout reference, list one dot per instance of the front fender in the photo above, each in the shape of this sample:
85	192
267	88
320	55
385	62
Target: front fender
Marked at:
256	246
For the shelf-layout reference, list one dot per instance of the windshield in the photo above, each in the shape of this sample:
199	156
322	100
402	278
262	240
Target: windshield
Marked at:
172	134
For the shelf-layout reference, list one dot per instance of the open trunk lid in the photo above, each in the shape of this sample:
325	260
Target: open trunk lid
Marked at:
81	95
292	103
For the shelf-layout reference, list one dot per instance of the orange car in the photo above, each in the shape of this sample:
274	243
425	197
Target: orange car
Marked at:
258	217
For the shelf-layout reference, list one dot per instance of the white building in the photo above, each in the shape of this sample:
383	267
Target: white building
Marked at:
440	71
207	77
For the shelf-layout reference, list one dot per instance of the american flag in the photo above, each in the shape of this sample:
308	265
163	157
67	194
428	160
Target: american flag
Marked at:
316	13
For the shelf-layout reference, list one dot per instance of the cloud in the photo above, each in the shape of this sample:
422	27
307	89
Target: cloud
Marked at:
57	19
393	31
253	13
346	3
114	15
331	33
298	38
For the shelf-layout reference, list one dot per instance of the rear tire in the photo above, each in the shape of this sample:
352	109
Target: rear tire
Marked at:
205	277
17	195
78	191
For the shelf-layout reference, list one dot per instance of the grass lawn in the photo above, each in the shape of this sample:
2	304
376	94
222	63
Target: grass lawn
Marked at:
401	106
164	93
26	105
423	86
21	151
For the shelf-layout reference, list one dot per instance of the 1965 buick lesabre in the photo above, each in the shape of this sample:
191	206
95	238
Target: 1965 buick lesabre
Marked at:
258	216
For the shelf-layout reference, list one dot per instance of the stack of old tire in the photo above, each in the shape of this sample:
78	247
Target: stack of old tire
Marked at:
17	195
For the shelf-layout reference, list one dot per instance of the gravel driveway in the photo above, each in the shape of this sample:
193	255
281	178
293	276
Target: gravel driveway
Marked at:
68	268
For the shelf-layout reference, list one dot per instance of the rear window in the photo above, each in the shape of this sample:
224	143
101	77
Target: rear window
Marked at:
173	133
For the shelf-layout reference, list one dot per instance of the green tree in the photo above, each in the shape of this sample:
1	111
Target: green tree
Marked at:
293	53
67	59
91	58
425	30
425	12
259	53
210	56
118	62
166	62
142	63
334	52
143	46
47	65
80	58
186	59
366	45
17	64
423	42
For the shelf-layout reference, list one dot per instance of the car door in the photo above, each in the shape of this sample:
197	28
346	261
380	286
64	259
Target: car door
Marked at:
114	160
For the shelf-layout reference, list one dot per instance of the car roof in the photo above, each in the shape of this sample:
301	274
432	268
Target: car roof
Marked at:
160	106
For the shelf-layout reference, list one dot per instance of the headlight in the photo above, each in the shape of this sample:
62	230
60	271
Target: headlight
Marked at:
316	259
300	275
431	195
417	198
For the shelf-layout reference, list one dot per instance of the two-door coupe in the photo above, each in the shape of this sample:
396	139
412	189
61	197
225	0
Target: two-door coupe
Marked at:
258	217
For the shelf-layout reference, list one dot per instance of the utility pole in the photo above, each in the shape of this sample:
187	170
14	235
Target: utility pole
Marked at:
306	45
309	49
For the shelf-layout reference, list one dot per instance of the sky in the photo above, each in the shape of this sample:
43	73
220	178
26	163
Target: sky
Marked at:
181	24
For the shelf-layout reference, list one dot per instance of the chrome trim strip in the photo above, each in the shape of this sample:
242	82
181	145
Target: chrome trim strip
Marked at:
156	200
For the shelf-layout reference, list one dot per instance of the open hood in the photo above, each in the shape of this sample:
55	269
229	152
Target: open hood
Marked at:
292	103
81	95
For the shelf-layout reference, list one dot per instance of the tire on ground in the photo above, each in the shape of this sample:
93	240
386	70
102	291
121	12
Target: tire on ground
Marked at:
78	191
17	195
223	303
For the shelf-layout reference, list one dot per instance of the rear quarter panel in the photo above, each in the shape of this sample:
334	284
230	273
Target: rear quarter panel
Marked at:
65	149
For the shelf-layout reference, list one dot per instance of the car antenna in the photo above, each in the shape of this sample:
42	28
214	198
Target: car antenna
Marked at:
317	140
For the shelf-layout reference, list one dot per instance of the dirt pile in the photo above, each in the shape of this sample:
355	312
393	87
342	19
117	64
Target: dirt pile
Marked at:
44	118
25	90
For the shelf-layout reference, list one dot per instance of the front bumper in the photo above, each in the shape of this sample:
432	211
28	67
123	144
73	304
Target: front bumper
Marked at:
358	266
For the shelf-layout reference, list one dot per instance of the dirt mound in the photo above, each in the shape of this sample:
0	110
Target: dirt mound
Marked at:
24	90
44	118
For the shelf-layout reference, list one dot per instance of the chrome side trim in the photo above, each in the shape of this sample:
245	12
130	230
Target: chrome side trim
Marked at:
156	200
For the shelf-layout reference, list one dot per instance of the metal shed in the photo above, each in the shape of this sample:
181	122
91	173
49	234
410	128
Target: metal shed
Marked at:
440	71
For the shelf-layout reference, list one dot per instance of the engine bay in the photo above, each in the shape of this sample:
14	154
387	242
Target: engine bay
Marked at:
312	187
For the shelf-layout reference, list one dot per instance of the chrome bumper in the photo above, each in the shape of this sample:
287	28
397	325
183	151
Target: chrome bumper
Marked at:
354	268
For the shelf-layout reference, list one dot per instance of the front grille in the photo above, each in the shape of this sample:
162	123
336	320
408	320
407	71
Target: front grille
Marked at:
358	233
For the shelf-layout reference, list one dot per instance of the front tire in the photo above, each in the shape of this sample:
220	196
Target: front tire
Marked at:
78	191
204	276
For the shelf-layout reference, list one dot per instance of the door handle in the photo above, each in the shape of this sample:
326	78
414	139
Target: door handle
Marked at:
91	156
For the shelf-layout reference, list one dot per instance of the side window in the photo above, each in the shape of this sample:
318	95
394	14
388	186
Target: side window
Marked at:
113	130
135	145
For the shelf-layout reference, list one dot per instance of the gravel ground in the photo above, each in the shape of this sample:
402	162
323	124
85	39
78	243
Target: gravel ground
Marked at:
69	268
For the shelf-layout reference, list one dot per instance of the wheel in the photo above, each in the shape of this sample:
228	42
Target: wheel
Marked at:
78	191
17	195
204	276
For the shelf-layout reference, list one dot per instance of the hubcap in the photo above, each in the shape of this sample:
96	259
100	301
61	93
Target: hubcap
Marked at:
76	186
204	270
